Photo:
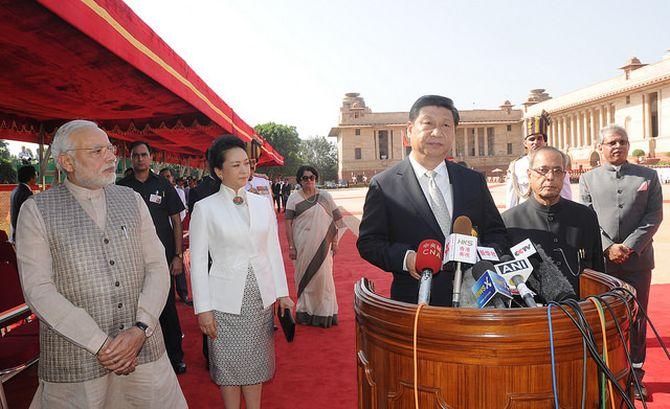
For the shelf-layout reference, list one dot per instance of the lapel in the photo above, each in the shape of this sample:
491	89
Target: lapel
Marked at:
415	195
458	190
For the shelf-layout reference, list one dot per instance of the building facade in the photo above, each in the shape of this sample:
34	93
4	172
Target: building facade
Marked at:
369	142
638	100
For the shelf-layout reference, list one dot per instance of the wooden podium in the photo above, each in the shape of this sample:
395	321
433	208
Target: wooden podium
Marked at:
488	359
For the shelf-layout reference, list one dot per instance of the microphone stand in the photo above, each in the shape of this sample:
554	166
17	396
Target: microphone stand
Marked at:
458	278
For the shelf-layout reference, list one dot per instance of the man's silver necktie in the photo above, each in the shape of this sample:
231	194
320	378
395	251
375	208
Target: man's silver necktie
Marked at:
438	204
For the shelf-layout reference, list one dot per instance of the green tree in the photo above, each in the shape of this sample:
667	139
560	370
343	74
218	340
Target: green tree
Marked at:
285	140
322	154
7	164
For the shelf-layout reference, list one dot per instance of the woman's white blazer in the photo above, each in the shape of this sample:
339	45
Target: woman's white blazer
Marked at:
217	229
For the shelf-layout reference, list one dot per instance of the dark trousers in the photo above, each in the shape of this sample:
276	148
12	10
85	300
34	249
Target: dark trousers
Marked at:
180	285
284	199
171	329
277	200
641	281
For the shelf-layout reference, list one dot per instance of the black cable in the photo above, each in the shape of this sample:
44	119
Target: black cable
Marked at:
577	308
593	351
584	365
631	374
651	324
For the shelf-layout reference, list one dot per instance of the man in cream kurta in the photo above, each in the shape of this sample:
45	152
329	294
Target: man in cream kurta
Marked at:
93	271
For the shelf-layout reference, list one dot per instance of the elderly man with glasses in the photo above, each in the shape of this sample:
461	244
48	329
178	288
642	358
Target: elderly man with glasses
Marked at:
566	230
517	182
93	271
629	202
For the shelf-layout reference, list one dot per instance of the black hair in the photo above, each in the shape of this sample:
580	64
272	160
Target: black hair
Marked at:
138	143
26	173
220	146
433	100
166	170
303	169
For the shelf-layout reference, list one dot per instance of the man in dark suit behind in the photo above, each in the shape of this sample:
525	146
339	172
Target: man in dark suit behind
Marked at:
418	199
21	193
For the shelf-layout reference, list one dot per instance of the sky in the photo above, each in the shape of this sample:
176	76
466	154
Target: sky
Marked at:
291	62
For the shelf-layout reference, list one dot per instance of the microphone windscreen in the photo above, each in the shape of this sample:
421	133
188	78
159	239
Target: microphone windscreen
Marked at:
505	258
429	256
480	268
468	299
553	286
462	225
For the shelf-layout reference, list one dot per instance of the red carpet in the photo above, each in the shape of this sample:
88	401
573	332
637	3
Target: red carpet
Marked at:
318	370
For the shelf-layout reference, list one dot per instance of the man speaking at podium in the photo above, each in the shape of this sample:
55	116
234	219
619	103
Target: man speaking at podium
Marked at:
418	198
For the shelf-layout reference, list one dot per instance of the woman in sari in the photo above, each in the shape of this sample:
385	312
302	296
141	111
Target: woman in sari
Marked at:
312	221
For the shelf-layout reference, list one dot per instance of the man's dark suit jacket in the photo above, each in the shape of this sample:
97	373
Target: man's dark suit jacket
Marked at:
19	195
207	186
397	217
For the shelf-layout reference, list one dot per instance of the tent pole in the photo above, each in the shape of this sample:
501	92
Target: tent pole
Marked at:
43	165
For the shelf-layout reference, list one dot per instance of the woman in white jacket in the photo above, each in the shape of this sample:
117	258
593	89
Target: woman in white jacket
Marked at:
234	299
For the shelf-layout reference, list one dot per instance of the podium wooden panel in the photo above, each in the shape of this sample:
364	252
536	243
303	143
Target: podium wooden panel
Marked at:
470	358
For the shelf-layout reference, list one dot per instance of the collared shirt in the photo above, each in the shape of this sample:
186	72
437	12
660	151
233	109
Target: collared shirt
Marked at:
441	178
163	201
35	267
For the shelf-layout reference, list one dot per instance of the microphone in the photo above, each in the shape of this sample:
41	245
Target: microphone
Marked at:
462	225
553	286
468	299
515	273
428	262
547	279
489	286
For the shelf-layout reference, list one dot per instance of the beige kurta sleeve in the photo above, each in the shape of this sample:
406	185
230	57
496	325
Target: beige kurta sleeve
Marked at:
156	273
39	289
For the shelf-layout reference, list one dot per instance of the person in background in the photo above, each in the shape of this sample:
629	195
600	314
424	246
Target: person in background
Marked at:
164	205
277	193
312	221
518	184
628	200
20	194
566	230
25	156
258	183
180	279
233	298
98	288
286	188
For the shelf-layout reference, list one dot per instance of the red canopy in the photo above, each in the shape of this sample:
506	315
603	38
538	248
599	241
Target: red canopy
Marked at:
96	59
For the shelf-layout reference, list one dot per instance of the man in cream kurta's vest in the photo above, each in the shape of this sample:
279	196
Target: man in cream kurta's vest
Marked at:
93	271
518	184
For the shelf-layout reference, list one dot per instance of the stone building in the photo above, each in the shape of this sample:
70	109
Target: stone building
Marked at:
638	100
369	142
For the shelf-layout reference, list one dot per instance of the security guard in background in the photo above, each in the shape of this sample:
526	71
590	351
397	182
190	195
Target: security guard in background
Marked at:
164	205
518	188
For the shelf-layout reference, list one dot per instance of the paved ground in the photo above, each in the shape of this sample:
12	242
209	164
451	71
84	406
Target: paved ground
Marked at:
352	201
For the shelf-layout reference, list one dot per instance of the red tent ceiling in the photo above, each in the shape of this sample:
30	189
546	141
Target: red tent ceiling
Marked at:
96	59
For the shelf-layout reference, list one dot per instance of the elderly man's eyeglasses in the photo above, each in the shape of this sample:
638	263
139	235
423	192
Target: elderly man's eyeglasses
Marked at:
617	142
544	171
98	152
305	178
